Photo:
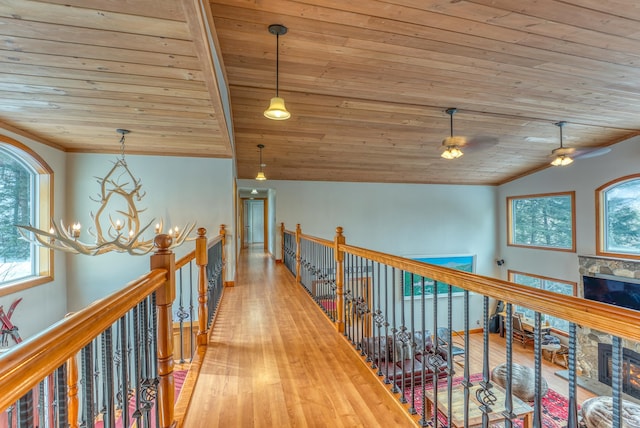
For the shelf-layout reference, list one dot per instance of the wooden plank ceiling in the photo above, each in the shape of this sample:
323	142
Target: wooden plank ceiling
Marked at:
367	82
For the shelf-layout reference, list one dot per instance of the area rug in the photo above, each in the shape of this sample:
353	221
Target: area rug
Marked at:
554	406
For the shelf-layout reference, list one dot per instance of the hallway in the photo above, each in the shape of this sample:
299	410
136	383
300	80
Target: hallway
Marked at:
274	360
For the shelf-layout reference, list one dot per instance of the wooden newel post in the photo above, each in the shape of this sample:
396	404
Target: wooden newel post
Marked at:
298	255
72	391
163	258
202	259
339	256
282	242
223	246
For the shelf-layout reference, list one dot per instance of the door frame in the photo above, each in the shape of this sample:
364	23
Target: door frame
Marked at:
265	222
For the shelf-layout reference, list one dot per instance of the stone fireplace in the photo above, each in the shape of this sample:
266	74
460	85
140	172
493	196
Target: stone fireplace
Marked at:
590	341
630	369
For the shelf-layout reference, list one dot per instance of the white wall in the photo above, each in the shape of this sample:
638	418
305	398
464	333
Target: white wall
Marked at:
45	304
583	176
179	190
401	219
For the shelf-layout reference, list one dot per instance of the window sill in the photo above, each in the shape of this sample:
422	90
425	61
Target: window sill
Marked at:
23	284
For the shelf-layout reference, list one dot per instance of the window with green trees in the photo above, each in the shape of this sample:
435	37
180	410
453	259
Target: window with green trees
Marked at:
25	198
542	221
16	207
549	284
619	217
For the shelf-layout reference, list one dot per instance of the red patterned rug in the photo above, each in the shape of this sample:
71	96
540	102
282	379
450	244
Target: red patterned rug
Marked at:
554	406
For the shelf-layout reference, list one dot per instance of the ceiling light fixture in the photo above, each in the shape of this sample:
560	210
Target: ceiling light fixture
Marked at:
119	192
261	176
561	154
452	144
277	110
254	192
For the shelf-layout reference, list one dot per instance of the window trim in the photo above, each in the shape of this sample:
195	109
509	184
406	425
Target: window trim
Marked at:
44	200
600	230
510	242
511	273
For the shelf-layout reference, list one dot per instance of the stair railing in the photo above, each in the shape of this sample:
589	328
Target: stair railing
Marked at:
112	363
406	318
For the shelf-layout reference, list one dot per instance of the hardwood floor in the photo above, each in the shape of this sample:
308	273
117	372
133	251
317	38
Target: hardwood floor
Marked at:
274	360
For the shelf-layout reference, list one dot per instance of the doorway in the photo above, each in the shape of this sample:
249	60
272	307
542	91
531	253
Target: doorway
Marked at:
254	222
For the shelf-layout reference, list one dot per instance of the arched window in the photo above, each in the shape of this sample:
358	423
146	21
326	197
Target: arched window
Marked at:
25	198
618	218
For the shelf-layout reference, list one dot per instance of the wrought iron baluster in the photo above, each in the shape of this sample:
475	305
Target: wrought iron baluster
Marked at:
435	360
484	395
450	370
423	352
394	331
572	416
386	324
60	400
508	395
25	411
41	407
191	313
181	314
107	380
616	380
537	356
466	382
86	358
412	348
123	394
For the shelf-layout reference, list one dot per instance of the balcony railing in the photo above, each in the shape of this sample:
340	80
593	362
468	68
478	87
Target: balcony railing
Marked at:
412	323
112	363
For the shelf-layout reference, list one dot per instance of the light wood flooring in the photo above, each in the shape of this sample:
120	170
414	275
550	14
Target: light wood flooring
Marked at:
275	360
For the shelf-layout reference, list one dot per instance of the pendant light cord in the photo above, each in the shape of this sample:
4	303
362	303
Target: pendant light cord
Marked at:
277	62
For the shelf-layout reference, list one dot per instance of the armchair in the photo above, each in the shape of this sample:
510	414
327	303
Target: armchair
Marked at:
457	345
519	333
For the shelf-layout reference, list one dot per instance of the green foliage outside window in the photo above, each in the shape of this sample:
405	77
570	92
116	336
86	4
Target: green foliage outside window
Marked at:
622	217
545	221
16	207
544	284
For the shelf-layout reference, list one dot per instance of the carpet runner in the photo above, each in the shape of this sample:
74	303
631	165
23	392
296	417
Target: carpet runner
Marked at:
554	406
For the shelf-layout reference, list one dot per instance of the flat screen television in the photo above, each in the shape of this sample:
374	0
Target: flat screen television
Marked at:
613	290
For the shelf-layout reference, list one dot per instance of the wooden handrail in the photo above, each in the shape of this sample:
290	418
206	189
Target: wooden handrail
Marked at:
324	242
29	362
619	321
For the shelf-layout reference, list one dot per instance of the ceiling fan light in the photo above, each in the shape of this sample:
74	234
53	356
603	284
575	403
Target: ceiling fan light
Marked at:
277	110
562	160
452	152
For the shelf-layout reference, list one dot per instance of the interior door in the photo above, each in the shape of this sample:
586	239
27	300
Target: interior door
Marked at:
254	222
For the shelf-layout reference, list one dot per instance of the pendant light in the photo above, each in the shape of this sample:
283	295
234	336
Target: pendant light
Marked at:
277	110
452	144
561	154
261	176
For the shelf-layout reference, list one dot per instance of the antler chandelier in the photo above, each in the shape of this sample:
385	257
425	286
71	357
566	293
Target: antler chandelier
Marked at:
124	234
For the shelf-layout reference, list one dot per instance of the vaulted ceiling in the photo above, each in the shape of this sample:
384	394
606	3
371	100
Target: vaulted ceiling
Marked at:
367	82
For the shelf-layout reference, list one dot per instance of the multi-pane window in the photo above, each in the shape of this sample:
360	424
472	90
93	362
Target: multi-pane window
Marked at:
25	198
542	221
17	256
619	217
549	284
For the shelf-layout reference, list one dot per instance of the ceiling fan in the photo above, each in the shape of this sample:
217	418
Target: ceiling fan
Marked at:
563	156
452	145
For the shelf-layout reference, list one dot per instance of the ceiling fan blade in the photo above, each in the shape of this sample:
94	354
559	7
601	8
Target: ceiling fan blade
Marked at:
591	153
481	142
